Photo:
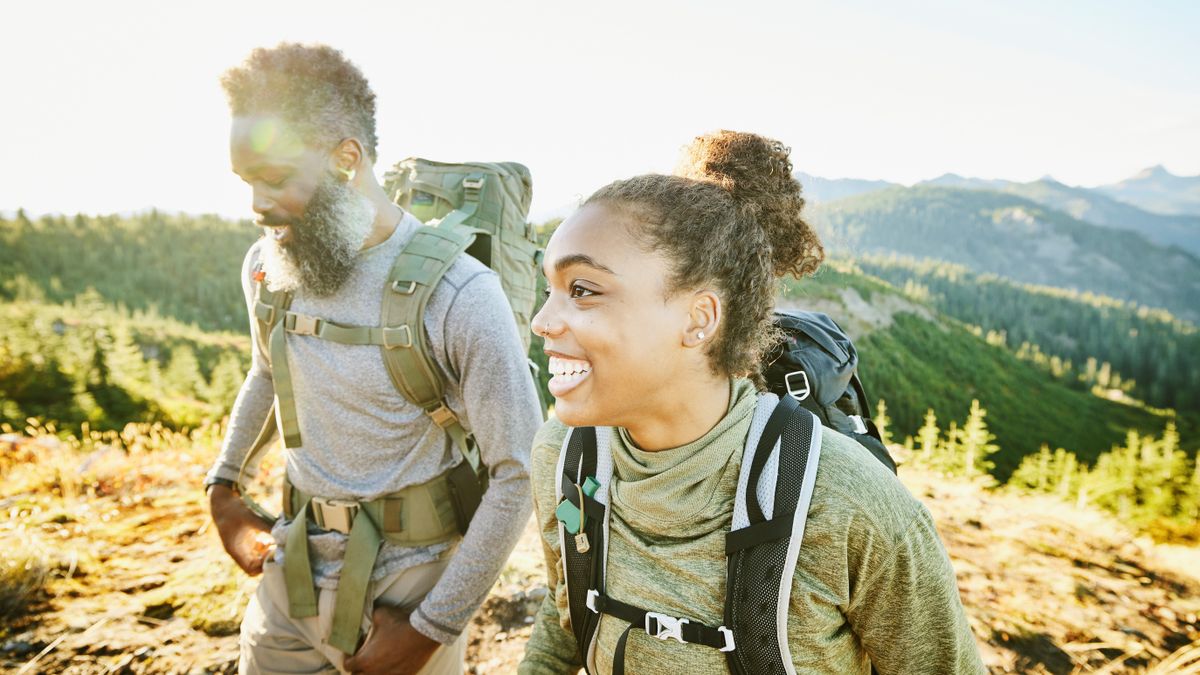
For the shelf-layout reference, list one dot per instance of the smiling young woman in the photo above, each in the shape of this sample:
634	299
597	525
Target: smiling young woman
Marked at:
658	311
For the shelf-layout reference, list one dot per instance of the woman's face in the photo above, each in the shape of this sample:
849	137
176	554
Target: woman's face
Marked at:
615	341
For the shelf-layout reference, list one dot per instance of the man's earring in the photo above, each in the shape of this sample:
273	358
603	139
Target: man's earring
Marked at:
348	173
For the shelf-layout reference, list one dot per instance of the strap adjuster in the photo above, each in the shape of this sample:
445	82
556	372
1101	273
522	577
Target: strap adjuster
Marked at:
334	514
302	324
404	290
591	600
472	183
397	336
665	627
801	390
728	635
442	416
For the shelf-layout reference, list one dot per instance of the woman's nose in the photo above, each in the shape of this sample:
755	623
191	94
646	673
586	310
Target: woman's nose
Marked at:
544	323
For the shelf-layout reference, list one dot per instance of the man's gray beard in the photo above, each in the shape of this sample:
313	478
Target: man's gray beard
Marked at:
324	244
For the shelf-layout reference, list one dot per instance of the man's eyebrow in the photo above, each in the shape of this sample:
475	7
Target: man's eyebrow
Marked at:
581	259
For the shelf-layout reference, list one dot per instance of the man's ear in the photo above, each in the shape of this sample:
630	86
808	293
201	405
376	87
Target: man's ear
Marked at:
704	318
347	157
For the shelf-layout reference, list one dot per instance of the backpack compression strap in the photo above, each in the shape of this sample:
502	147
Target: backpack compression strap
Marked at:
775	489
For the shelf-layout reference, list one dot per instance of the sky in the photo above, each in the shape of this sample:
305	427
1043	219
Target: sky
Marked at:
116	106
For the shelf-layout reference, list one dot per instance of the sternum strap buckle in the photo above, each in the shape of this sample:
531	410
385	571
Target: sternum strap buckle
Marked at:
665	627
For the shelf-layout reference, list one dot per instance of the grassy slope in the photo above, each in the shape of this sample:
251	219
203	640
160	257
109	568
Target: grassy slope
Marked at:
915	361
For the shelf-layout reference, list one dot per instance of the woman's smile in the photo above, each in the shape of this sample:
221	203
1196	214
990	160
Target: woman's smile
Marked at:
568	373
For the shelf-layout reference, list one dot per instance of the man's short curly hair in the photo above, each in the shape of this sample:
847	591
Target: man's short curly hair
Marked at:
312	87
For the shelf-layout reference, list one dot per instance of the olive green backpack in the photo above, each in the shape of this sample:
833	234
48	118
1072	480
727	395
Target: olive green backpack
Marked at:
476	208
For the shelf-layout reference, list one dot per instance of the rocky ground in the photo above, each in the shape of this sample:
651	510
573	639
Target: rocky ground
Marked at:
124	575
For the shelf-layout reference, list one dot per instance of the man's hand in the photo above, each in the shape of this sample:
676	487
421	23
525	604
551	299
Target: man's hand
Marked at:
245	535
392	646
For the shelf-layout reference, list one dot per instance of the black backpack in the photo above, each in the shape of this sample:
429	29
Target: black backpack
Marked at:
814	375
817	365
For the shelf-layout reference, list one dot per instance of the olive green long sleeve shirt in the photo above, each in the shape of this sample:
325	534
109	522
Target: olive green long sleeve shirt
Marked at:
873	583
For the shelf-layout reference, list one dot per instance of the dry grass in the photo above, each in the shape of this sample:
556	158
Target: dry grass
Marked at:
107	563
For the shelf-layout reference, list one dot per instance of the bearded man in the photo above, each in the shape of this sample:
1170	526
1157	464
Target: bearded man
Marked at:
303	138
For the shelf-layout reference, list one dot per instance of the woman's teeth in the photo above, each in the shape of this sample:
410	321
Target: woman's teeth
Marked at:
566	367
567	373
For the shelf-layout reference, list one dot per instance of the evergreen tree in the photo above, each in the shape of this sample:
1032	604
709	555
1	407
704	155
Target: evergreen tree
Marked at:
977	443
883	422
183	372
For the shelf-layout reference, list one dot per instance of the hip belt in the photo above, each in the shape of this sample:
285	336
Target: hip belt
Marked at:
418	515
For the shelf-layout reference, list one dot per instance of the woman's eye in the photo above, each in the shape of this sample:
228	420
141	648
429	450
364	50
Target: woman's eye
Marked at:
578	291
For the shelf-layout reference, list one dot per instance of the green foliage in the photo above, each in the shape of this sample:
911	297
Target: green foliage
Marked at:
87	362
1150	484
1148	353
918	365
962	451
186	267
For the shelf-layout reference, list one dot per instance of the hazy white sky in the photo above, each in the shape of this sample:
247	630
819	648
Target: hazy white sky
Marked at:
115	106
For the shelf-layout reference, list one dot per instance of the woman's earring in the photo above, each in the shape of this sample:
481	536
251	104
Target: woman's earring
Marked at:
348	173
700	335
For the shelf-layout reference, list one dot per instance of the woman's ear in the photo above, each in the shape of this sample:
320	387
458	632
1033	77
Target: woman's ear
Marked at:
704	317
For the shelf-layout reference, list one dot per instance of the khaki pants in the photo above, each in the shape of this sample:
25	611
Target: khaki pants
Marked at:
272	642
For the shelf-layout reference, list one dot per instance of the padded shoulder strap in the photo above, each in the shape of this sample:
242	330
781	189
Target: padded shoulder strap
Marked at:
269	309
425	259
416	272
585	454
775	487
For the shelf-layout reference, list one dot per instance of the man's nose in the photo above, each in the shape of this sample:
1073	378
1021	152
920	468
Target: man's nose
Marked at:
260	203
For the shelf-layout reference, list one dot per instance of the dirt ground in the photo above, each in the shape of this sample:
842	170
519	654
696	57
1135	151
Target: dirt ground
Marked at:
136	581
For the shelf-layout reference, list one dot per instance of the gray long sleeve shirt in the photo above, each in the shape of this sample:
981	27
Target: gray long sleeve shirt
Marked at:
362	439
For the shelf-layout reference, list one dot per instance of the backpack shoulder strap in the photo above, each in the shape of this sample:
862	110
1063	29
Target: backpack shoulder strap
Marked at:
269	309
775	485
584	476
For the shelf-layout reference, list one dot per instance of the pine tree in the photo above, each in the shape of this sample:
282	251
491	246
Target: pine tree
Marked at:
928	437
977	442
883	422
226	381
183	372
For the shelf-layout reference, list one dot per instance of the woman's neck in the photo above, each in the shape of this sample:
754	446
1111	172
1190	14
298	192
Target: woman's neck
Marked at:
688	412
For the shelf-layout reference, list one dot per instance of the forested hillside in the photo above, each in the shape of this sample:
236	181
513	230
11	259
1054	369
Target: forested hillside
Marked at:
186	267
916	360
92	358
1015	238
1085	340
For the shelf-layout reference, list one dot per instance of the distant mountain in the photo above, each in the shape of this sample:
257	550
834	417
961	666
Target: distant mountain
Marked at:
1095	207
817	189
1156	189
1014	237
954	180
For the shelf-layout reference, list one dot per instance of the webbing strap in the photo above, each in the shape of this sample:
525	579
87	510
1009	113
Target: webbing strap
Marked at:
297	570
659	626
285	398
384	336
361	550
265	434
